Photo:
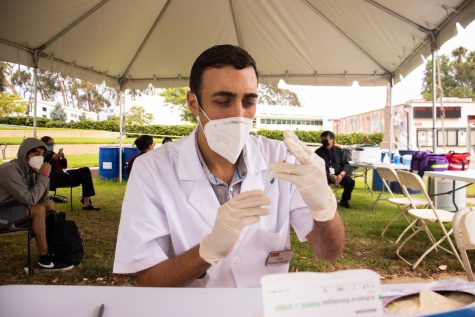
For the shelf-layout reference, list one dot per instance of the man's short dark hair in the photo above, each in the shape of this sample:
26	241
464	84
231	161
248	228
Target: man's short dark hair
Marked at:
327	133
219	56
143	142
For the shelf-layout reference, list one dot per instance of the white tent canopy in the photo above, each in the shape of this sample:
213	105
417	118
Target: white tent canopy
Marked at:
312	42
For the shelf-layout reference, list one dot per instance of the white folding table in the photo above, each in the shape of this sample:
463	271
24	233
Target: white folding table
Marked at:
467	176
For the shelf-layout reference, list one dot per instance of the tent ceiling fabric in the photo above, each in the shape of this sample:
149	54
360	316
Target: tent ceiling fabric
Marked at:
310	42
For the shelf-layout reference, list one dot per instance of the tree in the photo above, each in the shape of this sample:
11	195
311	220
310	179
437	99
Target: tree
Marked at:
457	76
58	113
268	94
8	106
177	97
137	115
47	86
3	78
273	95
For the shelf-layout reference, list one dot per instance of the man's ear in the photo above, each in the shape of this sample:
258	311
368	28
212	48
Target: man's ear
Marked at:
192	103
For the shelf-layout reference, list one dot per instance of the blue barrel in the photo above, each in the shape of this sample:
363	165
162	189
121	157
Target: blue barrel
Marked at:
377	183
128	153
109	162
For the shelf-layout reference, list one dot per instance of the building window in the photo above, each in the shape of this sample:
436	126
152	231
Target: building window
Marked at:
268	121
44	109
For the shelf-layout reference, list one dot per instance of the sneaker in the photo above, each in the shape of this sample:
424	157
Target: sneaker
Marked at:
344	204
46	264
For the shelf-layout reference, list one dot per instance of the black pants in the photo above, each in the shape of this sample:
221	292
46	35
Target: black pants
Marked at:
348	184
81	176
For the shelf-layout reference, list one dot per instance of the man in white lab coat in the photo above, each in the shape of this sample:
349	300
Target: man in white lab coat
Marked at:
215	208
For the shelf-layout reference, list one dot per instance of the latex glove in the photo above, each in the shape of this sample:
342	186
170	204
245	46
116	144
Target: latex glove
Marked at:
309	177
237	213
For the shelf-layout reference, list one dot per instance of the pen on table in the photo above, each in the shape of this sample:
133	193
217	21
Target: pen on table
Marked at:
101	311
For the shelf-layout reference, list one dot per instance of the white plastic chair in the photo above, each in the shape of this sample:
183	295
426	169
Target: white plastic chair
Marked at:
425	216
464	232
389	175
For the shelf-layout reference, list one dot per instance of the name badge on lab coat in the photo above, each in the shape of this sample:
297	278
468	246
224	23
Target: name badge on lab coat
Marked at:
278	257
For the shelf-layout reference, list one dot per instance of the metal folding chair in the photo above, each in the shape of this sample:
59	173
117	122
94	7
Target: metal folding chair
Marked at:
464	232
25	226
388	175
424	216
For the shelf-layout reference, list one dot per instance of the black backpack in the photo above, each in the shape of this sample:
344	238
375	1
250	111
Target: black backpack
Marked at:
65	244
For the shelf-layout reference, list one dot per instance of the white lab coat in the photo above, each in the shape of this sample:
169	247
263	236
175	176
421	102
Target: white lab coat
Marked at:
169	206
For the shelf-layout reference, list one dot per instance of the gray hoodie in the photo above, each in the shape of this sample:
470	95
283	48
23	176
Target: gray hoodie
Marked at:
18	182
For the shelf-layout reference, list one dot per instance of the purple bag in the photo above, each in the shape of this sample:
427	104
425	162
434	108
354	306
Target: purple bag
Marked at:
427	161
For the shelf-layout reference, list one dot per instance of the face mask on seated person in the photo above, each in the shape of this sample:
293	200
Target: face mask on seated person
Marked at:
226	136
36	162
325	142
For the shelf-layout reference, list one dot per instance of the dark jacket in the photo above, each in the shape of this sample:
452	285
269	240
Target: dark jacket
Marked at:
19	183
336	158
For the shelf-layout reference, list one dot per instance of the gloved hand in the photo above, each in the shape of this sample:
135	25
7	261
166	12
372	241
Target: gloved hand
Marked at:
239	212
309	177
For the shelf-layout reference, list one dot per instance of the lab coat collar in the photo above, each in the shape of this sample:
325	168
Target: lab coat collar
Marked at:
202	196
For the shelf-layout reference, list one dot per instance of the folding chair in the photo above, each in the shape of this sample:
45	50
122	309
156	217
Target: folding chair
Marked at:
25	226
464	232
389	175
424	216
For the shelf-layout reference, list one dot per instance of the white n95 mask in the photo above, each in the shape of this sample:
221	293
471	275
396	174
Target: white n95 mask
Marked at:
36	162
227	136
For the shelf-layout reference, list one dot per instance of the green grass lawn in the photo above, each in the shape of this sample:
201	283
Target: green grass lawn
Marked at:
364	246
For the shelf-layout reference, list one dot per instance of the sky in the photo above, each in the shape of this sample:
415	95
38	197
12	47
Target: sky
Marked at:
337	102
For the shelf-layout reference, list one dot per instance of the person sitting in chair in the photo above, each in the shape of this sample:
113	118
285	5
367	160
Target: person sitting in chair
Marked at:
144	143
23	192
72	177
337	166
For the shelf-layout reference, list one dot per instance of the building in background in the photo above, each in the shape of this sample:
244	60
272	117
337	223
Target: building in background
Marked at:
273	117
44	109
414	119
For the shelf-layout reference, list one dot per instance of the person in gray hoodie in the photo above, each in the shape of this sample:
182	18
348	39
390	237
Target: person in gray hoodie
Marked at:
23	190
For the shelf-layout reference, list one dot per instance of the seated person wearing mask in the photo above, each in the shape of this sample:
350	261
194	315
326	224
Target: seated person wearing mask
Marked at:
144	143
337	166
72	177
23	189
213	208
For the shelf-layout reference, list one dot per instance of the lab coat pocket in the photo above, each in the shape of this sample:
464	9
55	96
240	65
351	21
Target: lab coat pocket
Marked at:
248	262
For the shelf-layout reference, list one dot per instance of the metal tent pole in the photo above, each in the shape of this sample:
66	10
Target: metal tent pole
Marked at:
434	96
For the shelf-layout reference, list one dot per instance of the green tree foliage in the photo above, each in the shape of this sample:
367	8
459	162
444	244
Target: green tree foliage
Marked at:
58	113
3	78
268	94
177	97
457	75
9	107
47	86
138	115
273	95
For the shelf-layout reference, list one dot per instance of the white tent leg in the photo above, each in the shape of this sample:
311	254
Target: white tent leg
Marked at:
434	96
121	127
35	93
391	115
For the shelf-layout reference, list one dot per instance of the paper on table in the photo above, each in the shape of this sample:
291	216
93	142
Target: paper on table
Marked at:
342	293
